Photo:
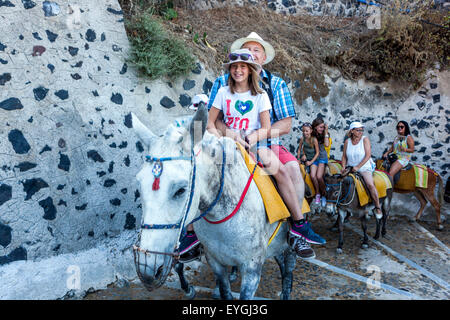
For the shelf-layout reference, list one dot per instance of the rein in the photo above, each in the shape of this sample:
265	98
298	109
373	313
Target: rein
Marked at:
238	206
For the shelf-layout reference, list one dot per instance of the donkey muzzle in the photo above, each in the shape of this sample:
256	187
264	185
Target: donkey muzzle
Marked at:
152	268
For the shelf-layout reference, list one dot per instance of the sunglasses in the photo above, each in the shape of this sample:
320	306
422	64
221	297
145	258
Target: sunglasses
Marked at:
307	124
400	127
243	56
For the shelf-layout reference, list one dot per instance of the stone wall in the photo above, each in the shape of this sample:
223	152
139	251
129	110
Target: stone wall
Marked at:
340	8
68	155
380	107
347	8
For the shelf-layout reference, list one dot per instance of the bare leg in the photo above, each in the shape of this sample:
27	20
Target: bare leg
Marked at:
314	178
321	182
395	167
367	175
296	176
287	189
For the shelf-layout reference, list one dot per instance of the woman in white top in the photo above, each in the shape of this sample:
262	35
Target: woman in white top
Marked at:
357	154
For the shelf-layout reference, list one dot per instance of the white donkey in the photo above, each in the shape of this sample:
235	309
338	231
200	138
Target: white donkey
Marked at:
180	184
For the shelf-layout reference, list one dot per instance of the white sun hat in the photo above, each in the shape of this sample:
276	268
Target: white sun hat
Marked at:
254	37
197	99
355	125
241	55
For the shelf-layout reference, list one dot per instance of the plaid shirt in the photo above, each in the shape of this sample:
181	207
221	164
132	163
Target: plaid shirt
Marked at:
282	106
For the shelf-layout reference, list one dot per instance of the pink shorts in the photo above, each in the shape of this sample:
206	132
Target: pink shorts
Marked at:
282	153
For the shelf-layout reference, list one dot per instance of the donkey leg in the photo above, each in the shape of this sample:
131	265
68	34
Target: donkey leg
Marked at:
286	262
222	279
429	195
233	274
340	221
365	243
379	222
334	227
188	289
386	208
250	274
423	202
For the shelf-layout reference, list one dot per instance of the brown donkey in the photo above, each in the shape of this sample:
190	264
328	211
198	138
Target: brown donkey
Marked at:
406	184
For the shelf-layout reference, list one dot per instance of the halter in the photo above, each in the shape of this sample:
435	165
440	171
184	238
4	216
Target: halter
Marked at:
157	171
339	201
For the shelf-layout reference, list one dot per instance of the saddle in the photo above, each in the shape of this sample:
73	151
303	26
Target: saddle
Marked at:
334	166
411	177
275	208
382	183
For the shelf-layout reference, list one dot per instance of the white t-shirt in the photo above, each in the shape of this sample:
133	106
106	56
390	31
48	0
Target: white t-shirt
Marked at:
241	110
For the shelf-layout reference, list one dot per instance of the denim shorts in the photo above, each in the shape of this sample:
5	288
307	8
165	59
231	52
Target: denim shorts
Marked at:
320	161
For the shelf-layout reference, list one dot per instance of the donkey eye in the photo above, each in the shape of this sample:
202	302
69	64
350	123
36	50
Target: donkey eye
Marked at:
179	192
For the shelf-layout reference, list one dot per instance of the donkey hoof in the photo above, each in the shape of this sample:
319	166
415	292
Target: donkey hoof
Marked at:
440	227
339	250
190	294
364	246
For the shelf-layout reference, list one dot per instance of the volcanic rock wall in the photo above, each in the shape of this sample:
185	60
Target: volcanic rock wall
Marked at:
68	155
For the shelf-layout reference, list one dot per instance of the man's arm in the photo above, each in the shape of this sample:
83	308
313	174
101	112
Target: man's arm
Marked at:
281	127
283	108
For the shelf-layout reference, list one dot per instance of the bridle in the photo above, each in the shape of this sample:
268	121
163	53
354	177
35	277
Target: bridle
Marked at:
339	201
181	225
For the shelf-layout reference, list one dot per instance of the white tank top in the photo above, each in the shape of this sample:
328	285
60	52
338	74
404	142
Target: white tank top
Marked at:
355	154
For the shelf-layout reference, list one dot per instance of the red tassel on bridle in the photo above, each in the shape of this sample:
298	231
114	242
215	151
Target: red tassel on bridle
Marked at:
155	185
156	170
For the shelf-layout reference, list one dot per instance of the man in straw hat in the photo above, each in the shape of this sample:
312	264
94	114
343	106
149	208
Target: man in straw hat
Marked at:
288	170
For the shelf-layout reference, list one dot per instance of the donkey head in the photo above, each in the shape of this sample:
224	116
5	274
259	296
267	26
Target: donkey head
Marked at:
170	163
335	185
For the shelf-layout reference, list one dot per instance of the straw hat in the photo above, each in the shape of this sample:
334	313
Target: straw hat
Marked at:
254	37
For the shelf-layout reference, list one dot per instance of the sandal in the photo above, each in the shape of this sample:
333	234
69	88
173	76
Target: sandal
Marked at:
375	212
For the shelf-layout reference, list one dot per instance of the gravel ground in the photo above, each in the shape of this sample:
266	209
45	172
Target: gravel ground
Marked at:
312	282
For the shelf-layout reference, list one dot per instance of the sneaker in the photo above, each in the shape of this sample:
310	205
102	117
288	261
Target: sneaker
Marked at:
301	248
324	201
305	231
317	201
188	242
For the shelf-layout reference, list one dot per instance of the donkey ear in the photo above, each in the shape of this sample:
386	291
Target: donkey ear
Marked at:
197	127
144	133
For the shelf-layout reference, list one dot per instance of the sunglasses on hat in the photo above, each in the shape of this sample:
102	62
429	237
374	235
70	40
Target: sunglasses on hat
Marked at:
243	56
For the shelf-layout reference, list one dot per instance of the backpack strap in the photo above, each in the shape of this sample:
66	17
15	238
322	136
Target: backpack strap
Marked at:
268	86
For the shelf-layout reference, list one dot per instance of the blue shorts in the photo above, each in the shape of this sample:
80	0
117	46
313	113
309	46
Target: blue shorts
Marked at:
320	161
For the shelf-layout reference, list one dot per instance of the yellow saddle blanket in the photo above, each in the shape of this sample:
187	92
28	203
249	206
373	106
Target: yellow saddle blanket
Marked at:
382	183
275	208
